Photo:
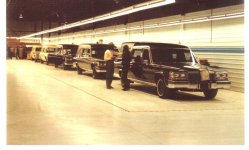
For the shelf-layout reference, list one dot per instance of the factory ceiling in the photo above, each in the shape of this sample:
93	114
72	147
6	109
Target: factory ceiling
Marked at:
68	11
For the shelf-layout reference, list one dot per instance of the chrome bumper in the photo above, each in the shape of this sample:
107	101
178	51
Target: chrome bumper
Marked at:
187	85
68	64
182	85
100	71
220	85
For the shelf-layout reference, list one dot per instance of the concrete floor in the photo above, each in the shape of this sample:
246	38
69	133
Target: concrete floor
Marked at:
46	105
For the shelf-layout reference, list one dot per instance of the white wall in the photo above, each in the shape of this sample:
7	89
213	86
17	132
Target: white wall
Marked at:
226	33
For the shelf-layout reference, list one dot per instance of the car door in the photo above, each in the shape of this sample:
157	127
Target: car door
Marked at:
79	57
42	54
136	64
147	69
88	59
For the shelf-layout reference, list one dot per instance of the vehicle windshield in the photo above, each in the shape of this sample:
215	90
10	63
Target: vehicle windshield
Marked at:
38	49
171	55
51	49
70	50
98	52
67	52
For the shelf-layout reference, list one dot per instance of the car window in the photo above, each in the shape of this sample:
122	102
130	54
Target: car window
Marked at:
188	56
66	52
146	55
98	52
71	49
79	53
86	52
137	53
169	55
38	49
49	49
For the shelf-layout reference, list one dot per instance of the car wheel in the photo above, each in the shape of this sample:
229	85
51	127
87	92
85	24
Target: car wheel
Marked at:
79	71
162	90
46	61
56	65
41	61
94	74
210	93
64	67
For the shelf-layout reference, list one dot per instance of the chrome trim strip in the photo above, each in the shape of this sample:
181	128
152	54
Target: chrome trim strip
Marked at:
68	64
143	82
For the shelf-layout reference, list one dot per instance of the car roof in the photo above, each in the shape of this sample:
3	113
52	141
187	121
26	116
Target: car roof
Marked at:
155	44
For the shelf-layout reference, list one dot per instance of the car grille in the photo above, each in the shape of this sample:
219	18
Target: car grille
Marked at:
194	76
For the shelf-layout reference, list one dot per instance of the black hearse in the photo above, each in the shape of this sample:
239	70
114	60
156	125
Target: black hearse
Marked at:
64	56
172	67
90	57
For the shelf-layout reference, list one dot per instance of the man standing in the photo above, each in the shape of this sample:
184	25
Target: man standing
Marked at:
126	58
109	57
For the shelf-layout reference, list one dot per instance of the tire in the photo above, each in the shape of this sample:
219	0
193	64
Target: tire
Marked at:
79	71
56	65
65	67
210	93
46	62
120	73
95	74
162	90
41	61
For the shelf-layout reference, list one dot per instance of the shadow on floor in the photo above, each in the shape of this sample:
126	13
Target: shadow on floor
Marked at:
101	76
179	96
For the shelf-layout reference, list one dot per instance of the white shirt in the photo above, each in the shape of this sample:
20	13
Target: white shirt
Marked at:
110	54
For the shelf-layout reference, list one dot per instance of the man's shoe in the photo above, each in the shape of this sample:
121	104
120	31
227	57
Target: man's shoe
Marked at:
109	87
125	89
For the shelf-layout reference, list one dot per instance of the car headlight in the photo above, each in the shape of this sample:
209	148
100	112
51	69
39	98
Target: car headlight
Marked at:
221	76
179	76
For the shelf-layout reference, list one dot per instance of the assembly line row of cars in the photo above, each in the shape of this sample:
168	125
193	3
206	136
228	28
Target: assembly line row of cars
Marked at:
168	67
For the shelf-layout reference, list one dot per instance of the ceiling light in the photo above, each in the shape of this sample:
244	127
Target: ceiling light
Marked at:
122	12
163	24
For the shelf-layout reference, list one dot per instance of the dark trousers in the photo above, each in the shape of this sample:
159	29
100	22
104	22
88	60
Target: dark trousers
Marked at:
109	72
125	82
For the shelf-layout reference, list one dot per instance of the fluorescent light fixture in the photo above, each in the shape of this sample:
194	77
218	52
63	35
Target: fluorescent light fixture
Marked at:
158	25
122	12
30	38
